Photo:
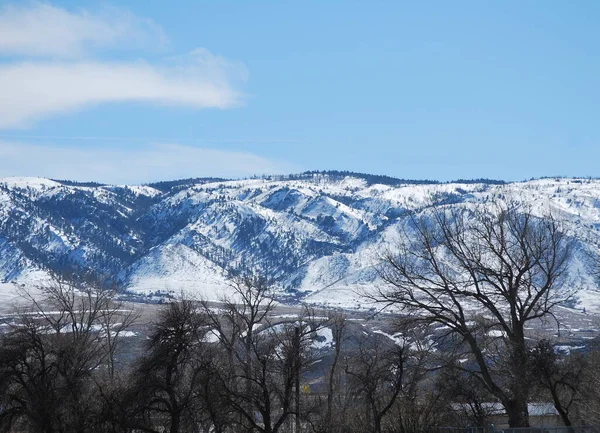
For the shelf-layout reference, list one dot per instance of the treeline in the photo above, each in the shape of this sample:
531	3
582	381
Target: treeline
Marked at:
373	179
76	183
66	365
169	185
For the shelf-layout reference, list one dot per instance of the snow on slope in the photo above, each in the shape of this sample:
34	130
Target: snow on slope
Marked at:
178	270
318	235
9	297
35	183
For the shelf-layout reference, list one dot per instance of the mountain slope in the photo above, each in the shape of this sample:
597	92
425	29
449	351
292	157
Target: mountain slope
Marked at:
318	235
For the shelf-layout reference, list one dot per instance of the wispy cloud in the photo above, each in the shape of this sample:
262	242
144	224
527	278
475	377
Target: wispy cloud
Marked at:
132	166
33	91
40	29
62	81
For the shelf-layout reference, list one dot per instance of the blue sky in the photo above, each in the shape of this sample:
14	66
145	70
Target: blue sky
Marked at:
138	91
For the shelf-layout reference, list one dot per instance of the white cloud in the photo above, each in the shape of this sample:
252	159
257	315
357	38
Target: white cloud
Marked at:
40	29
132	166
33	91
69	78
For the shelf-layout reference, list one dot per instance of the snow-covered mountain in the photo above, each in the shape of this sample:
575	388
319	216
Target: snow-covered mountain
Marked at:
317	234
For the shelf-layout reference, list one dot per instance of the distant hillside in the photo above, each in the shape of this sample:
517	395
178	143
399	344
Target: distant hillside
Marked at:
317	234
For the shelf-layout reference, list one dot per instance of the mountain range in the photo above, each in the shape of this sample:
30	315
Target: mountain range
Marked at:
317	235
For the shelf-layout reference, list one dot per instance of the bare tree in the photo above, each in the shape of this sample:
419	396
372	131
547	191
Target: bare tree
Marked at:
53	357
588	404
86	308
234	323
505	266
561	376
338	323
422	405
377	373
471	399
168	376
265	359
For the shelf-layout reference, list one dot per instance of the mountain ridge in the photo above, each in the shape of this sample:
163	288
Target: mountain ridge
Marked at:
317	234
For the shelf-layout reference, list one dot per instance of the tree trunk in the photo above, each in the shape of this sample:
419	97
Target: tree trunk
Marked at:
338	335
561	411
518	415
377	424
297	376
516	406
175	421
